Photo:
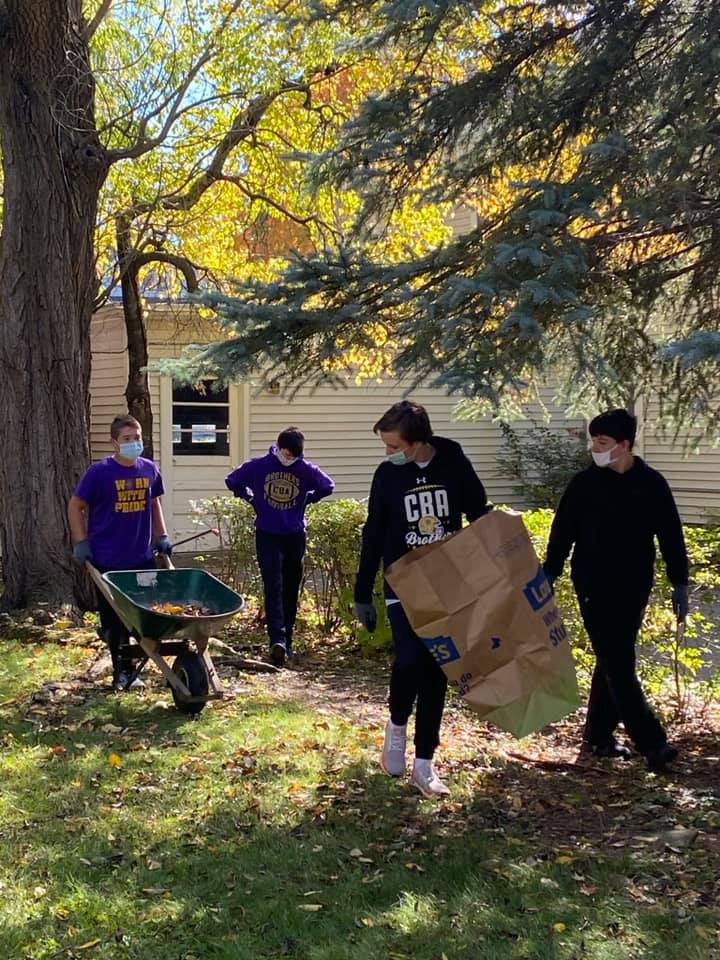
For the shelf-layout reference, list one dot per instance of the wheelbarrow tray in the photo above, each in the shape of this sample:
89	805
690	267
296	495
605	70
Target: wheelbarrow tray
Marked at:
133	592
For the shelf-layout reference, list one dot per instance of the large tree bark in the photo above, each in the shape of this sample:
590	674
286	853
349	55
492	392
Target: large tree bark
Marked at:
53	168
137	391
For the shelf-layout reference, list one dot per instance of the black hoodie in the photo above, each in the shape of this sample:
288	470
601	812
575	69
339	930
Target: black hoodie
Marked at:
613	518
411	505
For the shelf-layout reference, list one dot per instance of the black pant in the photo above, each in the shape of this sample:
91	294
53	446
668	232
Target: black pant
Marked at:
280	557
612	622
415	677
114	632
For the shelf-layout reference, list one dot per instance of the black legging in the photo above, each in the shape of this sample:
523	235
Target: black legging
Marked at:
416	681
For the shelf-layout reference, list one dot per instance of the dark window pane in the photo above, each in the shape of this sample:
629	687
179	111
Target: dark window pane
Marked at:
200	431
191	395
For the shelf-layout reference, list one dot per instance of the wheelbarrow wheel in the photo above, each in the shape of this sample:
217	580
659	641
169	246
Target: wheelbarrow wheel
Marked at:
190	668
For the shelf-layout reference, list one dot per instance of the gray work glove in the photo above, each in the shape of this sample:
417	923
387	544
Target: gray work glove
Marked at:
366	615
82	552
680	601
163	545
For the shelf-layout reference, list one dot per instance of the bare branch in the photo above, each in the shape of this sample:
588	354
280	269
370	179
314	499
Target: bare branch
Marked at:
102	11
174	101
254	195
188	269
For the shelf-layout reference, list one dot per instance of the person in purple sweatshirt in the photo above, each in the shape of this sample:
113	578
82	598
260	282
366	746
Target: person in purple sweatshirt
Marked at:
280	486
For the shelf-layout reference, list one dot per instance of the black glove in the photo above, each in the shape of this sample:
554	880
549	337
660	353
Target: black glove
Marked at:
680	601
82	552
366	615
163	545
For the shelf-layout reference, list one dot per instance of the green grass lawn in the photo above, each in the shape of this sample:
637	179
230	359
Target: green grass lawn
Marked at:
265	829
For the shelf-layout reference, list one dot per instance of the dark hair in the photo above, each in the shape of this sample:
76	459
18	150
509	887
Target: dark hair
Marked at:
123	420
409	419
291	439
618	424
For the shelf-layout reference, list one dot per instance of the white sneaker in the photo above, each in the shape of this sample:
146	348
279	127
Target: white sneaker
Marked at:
427	781
392	759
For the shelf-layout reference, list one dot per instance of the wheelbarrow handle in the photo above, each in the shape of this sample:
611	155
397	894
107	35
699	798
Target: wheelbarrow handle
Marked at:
194	536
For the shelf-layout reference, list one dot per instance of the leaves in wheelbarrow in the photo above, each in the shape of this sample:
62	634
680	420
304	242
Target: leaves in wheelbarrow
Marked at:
182	609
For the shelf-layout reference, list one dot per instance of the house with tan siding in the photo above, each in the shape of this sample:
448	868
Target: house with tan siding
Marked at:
199	438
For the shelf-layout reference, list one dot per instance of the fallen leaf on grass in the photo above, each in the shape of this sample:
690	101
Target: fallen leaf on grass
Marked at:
312	907
89	944
155	891
559	927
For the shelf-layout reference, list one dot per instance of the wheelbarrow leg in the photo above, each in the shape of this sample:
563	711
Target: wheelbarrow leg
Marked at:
151	649
201	644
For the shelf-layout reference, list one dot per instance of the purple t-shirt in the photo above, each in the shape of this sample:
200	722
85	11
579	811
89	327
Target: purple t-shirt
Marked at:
119	513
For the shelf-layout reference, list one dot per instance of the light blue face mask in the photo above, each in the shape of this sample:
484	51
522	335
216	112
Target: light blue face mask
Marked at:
131	450
399	458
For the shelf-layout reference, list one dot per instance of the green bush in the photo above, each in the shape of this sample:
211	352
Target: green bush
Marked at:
540	462
334	533
333	549
234	519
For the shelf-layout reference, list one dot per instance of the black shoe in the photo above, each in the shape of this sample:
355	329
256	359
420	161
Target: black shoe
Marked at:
657	760
277	654
607	751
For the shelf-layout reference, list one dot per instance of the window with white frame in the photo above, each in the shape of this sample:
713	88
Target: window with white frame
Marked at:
200	420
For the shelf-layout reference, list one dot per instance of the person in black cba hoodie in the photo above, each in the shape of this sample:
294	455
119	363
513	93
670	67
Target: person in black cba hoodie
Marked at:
418	496
611	512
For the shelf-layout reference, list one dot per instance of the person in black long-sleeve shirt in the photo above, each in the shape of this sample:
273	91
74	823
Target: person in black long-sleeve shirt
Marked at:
418	496
612	512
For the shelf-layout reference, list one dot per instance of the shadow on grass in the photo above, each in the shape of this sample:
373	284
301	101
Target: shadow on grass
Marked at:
254	833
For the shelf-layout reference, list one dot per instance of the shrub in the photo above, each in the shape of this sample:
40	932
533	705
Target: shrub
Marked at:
333	549
234	519
541	461
334	532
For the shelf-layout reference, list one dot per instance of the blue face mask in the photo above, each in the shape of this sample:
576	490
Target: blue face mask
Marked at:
399	458
131	450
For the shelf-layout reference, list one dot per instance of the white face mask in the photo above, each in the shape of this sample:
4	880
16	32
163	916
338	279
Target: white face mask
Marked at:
286	461
605	458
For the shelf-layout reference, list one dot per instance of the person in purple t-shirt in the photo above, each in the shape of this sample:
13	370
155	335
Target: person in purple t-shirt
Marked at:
279	486
115	518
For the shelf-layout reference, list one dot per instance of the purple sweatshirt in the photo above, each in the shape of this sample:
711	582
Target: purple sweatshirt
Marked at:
279	494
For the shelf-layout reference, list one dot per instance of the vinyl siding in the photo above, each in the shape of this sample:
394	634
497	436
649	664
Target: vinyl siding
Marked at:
694	477
337	425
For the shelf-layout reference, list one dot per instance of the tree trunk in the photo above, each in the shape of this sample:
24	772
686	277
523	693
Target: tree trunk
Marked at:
53	167
137	391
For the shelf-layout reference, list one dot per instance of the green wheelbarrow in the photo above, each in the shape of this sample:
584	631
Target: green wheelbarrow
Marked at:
157	634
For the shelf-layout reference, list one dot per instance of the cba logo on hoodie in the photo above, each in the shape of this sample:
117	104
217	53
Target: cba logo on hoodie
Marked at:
281	490
426	512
